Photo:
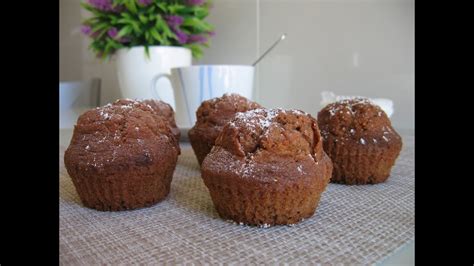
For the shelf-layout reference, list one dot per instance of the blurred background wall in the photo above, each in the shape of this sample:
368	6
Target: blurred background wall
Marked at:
350	47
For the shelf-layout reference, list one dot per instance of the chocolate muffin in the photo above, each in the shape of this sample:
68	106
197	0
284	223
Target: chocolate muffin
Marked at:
211	116
161	108
359	138
121	156
267	168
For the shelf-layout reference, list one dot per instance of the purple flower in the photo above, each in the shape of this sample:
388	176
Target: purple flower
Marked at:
104	5
195	2
195	38
112	32
212	33
182	37
86	29
145	2
174	21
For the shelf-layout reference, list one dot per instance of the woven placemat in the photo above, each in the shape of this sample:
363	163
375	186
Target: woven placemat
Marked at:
352	225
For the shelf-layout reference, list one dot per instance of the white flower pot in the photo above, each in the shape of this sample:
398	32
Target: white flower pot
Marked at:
135	71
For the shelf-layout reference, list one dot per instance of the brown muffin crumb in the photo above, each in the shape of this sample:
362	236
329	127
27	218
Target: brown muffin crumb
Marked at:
267	167
121	156
212	115
359	138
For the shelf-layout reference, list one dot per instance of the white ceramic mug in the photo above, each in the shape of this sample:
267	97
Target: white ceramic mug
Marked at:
194	84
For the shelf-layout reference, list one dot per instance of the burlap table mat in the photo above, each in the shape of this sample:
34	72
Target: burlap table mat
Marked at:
352	225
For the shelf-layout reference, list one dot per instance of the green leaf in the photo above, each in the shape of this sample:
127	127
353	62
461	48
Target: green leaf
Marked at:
143	18
90	21
101	33
173	36
199	25
113	19
163	7
167	32
108	47
123	21
86	6
127	16
93	10
124	31
160	23
156	35
176	8
196	11
100	26
147	52
147	36
201	12
151	10
130	4
195	49
119	2
187	31
151	17
136	27
117	45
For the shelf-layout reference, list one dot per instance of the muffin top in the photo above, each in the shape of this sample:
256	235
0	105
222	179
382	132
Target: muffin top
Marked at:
358	120
165	110
218	111
124	134
268	144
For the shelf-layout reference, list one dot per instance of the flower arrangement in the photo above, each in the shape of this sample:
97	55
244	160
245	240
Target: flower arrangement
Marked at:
119	24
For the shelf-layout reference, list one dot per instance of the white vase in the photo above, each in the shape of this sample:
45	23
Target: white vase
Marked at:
135	71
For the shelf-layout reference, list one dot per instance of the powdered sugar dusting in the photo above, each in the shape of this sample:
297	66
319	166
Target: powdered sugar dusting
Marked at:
324	134
362	141
234	222
345	106
116	135
258	121
300	169
256	117
260	117
149	107
298	112
105	115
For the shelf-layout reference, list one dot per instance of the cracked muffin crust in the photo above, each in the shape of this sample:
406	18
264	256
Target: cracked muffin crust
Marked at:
161	108
211	116
122	156
359	138
267	167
